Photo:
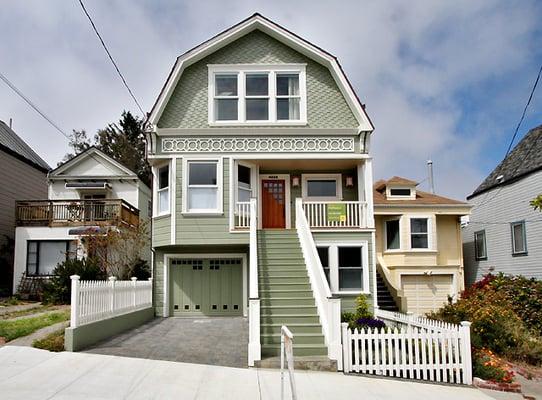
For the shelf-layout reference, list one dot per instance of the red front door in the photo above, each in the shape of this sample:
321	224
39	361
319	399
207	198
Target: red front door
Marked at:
273	203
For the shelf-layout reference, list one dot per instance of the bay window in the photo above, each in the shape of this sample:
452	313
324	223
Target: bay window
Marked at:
257	93
163	190
202	186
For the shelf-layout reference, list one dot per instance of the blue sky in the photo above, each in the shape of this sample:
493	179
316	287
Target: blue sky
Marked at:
441	80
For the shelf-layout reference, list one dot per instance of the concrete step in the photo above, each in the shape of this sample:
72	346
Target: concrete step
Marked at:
295	328
282	279
266	293
280	265
306	363
270	273
287	301
282	286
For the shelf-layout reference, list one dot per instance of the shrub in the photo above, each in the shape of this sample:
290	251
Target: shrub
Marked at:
141	269
58	289
362	317
488	366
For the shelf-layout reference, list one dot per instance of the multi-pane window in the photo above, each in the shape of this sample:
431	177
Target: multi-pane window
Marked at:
202	186
43	256
350	268
519	238
323	253
419	233
288	97
480	245
244	188
226	97
272	94
257	97
393	241
163	190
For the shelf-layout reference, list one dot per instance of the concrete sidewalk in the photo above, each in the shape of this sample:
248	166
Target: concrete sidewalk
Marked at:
27	373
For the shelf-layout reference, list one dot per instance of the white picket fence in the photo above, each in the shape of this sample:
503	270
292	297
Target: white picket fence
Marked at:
93	301
410	319
410	352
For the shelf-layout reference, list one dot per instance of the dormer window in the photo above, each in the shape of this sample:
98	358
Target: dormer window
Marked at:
257	95
399	192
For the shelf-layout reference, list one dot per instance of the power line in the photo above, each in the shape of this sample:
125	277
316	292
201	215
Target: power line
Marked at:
111	58
31	104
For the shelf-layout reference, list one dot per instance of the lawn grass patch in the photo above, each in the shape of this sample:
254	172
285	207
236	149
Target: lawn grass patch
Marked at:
10	329
52	342
12	301
29	311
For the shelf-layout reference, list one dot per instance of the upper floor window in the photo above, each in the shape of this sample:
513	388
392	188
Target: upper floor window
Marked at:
253	94
519	238
163	190
419	233
393	241
480	248
202	186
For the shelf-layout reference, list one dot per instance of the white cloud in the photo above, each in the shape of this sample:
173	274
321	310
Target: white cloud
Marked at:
407	60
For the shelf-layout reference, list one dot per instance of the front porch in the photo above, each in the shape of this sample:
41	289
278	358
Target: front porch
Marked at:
335	194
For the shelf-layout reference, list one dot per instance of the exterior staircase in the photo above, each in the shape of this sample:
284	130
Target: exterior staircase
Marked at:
286	297
385	299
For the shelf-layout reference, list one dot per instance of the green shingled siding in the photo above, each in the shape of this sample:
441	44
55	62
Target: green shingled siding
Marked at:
187	107
212	230
348	302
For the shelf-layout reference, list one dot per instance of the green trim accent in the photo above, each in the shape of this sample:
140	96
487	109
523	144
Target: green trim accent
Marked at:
76	339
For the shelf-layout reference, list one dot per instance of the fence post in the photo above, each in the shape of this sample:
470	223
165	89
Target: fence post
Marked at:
112	280
410	317
74	309
467	357
134	289
150	300
346	347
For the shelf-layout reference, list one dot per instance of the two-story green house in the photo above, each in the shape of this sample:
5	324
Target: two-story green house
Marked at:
262	188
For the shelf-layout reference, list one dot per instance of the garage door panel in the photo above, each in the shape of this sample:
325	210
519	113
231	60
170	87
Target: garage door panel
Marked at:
426	292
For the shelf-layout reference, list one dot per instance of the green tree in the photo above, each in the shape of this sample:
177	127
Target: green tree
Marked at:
124	141
536	203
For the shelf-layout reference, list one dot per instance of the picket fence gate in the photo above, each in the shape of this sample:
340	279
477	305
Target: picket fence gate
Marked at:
410	352
93	301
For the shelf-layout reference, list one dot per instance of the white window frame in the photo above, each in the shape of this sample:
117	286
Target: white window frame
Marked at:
219	184
241	70
483	233
411	196
515	252
156	206
253	179
333	257
324	177
385	222
431	238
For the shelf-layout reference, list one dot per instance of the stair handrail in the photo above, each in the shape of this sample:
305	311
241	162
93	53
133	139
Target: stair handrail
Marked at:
329	307
254	344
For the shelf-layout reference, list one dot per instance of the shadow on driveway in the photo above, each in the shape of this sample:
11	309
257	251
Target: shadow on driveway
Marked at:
213	341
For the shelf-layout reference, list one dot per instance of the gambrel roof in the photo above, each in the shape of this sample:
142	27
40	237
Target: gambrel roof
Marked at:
259	22
523	160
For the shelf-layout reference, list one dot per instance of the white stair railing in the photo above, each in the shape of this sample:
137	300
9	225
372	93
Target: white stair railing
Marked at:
287	355
254	346
329	307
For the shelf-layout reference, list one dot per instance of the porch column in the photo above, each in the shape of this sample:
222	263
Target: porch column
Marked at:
365	170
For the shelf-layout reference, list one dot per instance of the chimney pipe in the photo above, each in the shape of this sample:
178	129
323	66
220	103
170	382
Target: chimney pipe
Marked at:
430	175
10	122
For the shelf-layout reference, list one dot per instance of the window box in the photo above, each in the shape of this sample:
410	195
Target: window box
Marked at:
257	94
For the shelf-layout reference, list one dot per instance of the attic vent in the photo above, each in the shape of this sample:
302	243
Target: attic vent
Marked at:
400	192
87	185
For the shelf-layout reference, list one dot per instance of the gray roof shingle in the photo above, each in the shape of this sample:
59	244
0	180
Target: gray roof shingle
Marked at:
13	143
524	159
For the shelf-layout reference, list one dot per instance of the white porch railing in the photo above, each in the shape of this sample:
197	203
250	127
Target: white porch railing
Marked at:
355	214
410	352
242	215
329	307
93	301
254	346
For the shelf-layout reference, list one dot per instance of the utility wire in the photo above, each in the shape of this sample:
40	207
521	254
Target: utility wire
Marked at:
111	58
31	104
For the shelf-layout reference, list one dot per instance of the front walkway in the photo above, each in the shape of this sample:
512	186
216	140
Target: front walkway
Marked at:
215	341
32	374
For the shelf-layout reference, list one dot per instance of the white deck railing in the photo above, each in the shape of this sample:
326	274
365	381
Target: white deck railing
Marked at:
242	215
329	307
254	346
93	301
355	214
409	352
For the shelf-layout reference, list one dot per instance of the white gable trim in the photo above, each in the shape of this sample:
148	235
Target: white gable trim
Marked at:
277	32
94	153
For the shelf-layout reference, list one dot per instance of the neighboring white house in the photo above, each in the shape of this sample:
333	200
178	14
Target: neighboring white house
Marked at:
504	233
89	191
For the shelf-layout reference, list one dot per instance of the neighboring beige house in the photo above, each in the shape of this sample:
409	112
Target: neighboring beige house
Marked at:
90	191
418	246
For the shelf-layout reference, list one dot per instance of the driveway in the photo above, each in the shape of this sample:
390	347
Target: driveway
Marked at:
214	341
32	374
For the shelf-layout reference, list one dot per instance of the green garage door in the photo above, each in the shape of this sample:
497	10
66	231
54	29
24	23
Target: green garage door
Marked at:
207	287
